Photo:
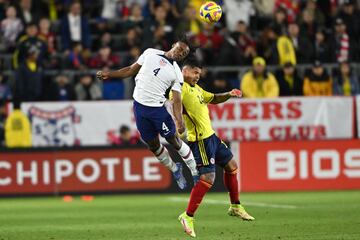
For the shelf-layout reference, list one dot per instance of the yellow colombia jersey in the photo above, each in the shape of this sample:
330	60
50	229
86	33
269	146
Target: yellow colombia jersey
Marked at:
196	112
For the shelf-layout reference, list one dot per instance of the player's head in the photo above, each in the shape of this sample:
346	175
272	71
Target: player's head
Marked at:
180	49
191	70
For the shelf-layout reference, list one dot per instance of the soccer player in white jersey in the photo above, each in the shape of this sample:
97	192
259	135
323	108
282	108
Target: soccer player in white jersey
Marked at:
156	72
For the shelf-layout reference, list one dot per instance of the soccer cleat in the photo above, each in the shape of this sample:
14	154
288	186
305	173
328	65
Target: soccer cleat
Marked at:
179	177
188	224
237	210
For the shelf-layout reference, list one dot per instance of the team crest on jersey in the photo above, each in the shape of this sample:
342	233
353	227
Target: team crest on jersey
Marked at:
162	62
212	160
54	128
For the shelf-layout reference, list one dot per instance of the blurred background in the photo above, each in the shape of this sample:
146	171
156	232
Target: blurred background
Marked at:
296	61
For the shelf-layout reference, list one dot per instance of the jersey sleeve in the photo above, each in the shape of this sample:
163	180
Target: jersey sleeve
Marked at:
208	96
179	81
141	59
176	87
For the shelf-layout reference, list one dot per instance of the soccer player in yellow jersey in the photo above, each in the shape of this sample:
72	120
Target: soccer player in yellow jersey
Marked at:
207	148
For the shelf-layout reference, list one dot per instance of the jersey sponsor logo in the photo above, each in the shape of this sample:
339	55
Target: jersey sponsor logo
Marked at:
54	128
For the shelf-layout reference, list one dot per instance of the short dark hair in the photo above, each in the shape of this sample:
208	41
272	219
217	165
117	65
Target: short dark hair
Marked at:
184	38
192	61
124	129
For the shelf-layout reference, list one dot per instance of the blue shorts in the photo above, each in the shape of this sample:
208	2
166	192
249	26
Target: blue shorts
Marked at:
150	121
210	151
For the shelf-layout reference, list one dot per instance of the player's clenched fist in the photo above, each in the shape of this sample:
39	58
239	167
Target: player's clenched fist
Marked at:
180	127
102	75
236	93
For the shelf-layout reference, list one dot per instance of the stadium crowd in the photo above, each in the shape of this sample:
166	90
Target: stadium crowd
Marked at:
73	38
50	49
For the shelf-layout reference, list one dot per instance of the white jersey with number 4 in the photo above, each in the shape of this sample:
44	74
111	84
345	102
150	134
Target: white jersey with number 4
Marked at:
156	75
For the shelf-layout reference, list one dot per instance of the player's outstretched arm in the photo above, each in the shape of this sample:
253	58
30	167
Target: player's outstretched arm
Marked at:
177	105
125	72
223	97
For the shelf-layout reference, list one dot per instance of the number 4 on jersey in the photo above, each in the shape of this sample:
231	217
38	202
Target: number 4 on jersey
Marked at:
156	71
164	127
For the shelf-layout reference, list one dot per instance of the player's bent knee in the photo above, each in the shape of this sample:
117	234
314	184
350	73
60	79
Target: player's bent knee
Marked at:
174	141
208	177
153	145
231	166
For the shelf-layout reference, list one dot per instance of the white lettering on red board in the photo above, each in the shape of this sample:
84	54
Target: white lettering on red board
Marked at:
64	168
287	164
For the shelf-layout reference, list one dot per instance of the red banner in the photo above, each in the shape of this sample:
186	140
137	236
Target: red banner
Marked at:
80	171
299	165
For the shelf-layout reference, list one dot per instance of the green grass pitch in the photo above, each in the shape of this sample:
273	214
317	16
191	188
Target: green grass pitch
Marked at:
302	215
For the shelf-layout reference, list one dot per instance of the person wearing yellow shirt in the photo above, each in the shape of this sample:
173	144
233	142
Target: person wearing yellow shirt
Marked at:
17	129
318	82
208	149
258	82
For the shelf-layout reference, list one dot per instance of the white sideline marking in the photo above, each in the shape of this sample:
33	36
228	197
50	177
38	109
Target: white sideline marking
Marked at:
255	204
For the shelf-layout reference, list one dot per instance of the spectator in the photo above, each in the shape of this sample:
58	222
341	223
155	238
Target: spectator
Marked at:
28	78
75	59
267	45
136	19
11	27
292	8
302	45
87	89
317	82
158	33
322	50
104	40
279	23
105	60
350	16
126	138
245	42
75	28
189	23
319	18
102	26
341	42
123	10
290	84
238	11
132	39
258	82
109	9
264	8
31	41
219	84
286	50
47	34
26	12
61	89
5	91
17	129
346	82
210	41
168	6
308	25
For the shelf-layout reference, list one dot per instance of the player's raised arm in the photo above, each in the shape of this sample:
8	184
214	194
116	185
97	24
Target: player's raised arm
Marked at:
177	105
125	72
223	97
